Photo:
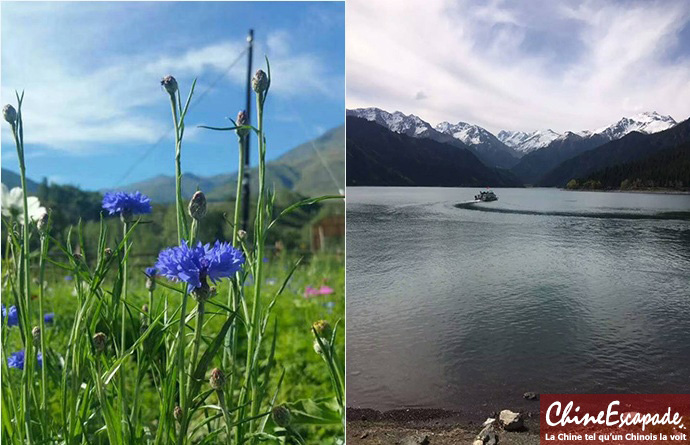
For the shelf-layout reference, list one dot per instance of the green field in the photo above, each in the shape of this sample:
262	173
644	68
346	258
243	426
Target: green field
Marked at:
306	375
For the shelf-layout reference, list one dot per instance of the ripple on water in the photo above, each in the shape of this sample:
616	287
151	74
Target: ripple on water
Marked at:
550	291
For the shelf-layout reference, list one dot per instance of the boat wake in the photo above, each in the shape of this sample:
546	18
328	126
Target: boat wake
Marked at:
480	207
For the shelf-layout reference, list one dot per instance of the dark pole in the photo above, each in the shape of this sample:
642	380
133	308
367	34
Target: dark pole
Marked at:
245	179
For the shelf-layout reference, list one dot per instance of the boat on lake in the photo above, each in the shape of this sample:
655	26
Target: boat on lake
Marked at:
486	196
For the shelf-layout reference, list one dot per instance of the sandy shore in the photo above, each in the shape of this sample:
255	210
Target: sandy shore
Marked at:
427	427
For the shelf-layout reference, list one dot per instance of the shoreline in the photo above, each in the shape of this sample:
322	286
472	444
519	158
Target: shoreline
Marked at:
429	426
651	192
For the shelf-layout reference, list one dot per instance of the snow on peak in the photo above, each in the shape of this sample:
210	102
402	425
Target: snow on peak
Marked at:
647	122
467	133
526	142
398	122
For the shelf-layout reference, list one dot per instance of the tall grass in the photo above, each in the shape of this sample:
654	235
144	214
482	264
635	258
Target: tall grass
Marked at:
196	364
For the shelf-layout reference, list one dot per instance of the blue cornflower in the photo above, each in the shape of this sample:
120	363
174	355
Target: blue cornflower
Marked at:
11	314
151	272
126	204
49	317
16	360
194	265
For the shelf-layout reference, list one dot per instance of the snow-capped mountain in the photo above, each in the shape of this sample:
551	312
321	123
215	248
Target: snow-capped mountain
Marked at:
481	140
526	142
489	150
644	123
467	133
398	122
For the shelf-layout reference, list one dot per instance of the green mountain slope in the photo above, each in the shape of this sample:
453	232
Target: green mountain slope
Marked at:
377	156
667	169
12	179
632	147
305	170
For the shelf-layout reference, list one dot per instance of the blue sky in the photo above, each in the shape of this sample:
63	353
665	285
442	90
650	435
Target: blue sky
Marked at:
91	73
520	64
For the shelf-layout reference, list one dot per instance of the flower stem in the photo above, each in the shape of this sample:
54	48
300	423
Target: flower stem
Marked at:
179	205
180	362
27	380
226	414
123	323
41	291
229	355
200	310
254	338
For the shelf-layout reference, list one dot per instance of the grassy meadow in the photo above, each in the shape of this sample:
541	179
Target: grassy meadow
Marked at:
169	324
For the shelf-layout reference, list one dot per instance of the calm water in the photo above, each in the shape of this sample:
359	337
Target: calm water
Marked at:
467	307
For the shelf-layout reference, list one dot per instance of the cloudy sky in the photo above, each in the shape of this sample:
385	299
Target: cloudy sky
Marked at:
91	72
520	65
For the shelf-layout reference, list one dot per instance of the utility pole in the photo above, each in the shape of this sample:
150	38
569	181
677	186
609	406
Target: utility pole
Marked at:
245	179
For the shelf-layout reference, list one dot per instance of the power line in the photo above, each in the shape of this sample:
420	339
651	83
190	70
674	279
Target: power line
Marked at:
193	105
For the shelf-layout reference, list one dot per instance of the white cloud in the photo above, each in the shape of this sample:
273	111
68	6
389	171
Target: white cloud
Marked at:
519	65
75	107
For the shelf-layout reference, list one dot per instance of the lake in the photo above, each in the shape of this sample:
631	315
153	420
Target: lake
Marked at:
468	306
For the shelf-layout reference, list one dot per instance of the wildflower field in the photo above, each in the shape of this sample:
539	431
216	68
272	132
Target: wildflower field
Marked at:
215	339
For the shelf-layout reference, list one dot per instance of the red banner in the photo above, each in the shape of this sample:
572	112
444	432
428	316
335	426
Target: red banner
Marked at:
615	419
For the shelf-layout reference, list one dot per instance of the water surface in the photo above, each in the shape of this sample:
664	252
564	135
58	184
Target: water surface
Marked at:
467	306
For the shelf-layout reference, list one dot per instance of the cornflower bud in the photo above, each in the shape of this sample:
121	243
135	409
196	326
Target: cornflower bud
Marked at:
99	340
36	334
260	82
78	256
281	416
150	275
323	328
9	113
217	380
242	121
197	205
108	251
241	234
170	84
177	413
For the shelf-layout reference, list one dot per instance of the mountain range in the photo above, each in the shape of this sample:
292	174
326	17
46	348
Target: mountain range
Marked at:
526	142
12	180
377	156
483	144
536	164
632	147
314	168
530	156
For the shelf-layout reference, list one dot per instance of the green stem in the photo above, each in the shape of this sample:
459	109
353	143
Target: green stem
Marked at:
179	205
150	314
123	323
17	130
41	276
238	193
229	355
259	255
180	362
226	414
200	310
